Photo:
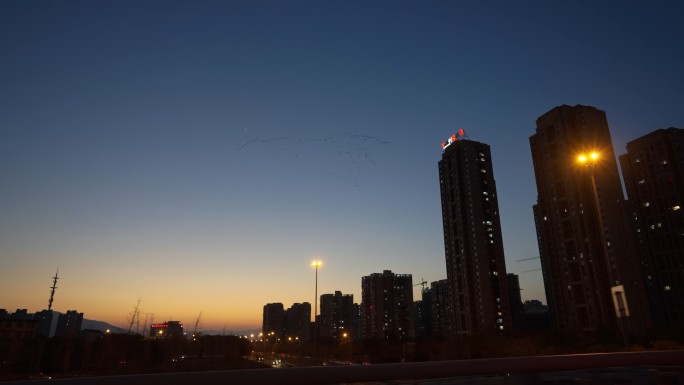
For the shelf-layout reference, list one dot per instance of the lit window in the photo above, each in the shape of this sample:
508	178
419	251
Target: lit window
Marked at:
647	204
667	288
675	208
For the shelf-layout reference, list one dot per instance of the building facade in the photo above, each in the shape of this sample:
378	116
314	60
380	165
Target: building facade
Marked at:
337	316
476	269
69	324
298	322
167	330
387	306
273	326
17	325
585	245
45	319
653	171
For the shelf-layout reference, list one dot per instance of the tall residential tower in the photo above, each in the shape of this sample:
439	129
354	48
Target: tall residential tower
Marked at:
387	306
586	249
476	269
653	169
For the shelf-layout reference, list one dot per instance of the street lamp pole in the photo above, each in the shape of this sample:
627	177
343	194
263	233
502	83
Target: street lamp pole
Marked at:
590	162
315	264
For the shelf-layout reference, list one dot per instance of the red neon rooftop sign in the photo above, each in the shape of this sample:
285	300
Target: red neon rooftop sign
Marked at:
453	138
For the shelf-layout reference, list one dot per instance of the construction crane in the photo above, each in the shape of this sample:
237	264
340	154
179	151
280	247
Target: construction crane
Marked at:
135	316
149	319
194	331
527	259
423	284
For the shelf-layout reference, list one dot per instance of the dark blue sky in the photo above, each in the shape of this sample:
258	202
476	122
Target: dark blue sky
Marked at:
199	154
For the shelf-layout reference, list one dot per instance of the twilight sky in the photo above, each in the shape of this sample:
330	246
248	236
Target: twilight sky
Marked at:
200	154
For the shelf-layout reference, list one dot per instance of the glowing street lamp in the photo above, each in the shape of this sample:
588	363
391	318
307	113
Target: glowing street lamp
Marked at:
588	159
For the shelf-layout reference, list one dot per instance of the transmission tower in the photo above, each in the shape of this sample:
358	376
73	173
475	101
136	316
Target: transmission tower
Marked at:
53	288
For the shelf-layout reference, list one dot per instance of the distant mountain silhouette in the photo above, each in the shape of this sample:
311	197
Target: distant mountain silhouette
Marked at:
100	325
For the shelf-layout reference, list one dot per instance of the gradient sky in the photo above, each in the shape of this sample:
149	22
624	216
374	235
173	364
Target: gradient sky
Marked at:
200	154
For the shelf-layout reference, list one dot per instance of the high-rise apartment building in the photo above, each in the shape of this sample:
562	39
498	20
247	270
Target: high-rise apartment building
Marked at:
337	316
421	316
653	170
440	309
476	269
387	305
69	323
298	322
273	326
45	319
588	259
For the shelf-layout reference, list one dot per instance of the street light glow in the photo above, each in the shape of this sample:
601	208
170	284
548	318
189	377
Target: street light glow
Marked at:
316	263
585	159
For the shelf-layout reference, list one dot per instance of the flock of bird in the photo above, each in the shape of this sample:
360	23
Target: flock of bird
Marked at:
354	149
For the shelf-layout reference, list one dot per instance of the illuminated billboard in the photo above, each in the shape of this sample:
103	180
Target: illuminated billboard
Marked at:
453	138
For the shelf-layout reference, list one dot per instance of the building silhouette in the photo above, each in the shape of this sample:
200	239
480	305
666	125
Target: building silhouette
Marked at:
653	171
337	316
433	311
586	250
516	304
421	316
273	326
473	246
298	322
387	306
440	309
69	324
16	326
44	318
167	330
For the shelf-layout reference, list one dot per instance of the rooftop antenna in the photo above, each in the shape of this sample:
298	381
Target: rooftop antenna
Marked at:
53	288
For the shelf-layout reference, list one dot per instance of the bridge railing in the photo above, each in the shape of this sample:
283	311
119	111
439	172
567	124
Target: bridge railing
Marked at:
388	372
